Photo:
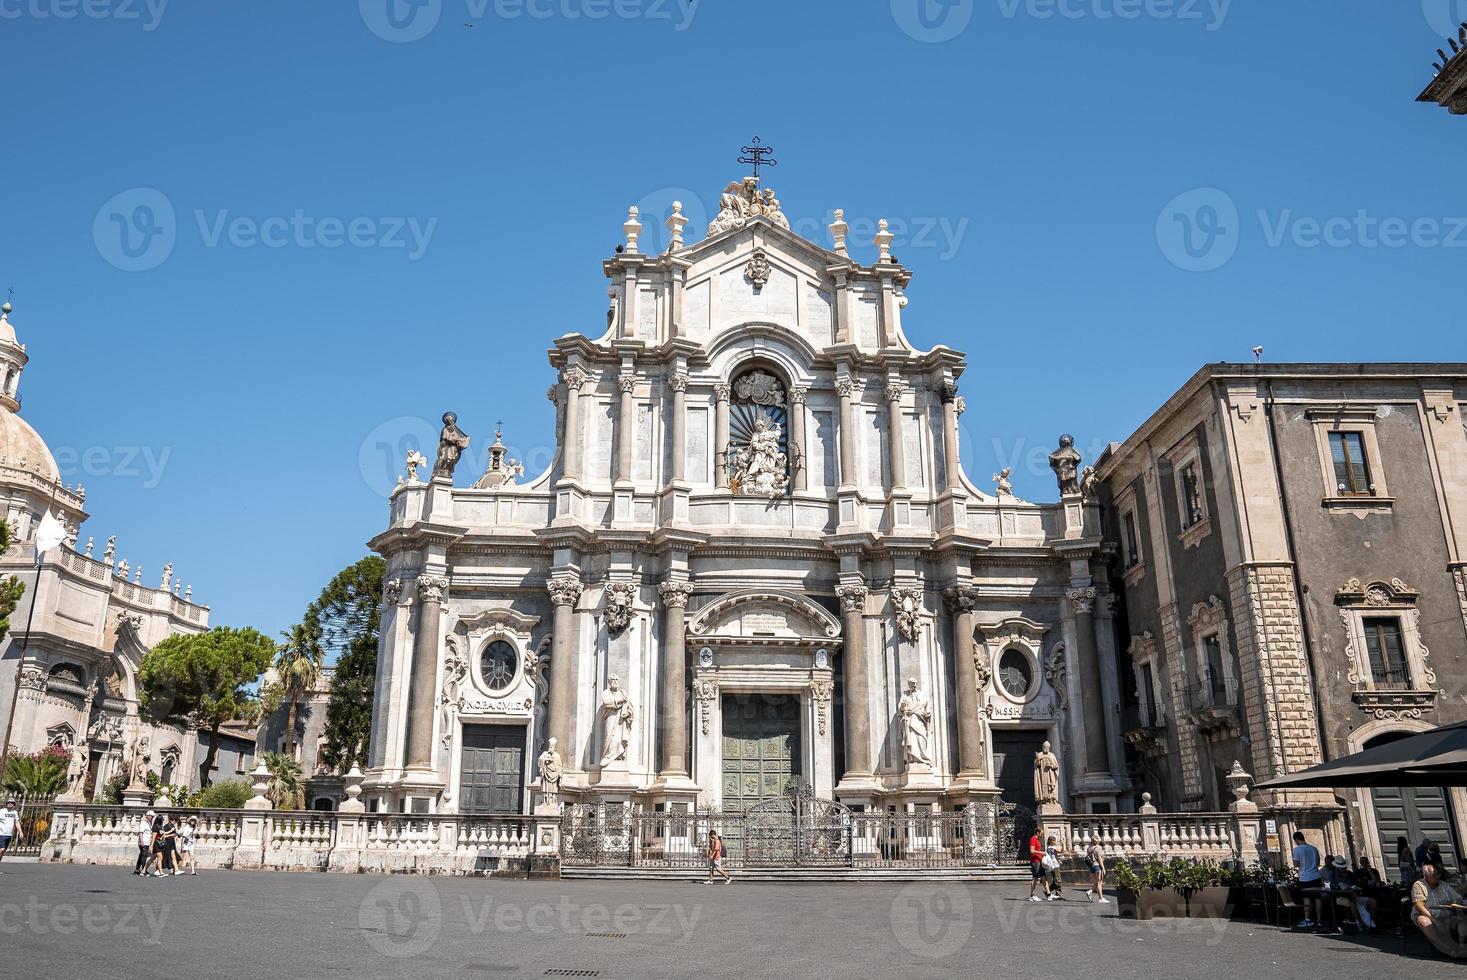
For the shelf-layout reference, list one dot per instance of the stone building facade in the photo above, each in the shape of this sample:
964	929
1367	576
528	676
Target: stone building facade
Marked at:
1291	543
323	785
94	619
755	560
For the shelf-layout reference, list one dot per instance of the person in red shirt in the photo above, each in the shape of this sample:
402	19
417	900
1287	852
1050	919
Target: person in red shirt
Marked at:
716	854
1036	866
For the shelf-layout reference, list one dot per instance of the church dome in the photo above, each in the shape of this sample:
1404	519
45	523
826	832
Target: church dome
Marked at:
18	441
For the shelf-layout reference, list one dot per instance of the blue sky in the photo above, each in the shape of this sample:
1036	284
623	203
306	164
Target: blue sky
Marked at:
337	228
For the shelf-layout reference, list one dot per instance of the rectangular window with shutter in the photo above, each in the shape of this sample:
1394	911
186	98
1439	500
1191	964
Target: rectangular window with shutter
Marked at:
1217	684
1387	655
1352	472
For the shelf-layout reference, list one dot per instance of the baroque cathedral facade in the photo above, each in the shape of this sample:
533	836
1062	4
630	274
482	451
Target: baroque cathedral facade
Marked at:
755	562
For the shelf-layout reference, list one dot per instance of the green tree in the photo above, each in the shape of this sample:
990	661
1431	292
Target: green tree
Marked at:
38	776
231	794
286	788
205	677
344	621
297	668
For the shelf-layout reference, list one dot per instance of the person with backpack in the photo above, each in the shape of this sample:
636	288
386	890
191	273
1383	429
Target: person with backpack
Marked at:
1095	859
1307	860
716	855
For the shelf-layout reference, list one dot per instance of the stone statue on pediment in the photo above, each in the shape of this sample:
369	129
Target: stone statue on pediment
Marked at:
1046	775
452	442
617	715
916	716
1065	461
760	468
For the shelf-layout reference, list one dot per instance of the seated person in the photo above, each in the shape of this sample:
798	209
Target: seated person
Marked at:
1431	898
1366	876
1358	908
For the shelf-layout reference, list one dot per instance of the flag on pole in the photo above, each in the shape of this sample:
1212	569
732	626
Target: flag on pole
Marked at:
50	533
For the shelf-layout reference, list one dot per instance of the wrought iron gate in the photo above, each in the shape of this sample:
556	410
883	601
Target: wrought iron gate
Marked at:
796	830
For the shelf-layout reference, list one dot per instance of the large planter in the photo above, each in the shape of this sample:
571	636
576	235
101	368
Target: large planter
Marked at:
1170	903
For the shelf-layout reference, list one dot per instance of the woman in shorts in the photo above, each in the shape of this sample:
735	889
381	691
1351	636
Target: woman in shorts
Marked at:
716	855
187	831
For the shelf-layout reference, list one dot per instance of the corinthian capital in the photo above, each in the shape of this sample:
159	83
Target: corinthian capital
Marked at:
678	382
675	594
948	390
798	395
844	387
431	587
721	392
1082	599
960	598
852	597
895	390
564	590
574	378
627	383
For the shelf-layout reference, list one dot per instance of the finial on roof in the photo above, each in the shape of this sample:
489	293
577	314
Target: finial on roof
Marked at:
633	228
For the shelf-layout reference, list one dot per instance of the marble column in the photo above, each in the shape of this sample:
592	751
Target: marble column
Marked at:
565	592
797	435
857	682
674	709
423	686
571	441
961	601
679	385
952	407
721	395
897	446
844	387
626	428
1092	698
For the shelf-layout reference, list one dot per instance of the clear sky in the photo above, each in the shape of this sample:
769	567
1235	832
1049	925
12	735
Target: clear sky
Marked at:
257	247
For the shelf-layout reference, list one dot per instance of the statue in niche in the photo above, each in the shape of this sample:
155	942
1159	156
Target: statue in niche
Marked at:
76	769
616	717
452	442
1065	461
1046	775
759	469
916	715
551	769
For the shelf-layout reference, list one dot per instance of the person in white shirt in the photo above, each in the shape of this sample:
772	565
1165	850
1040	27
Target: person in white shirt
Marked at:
187	831
1307	860
145	843
9	827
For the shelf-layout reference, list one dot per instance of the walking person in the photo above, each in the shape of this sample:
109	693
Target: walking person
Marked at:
145	844
1052	864
10	829
716	854
154	866
1095	858
1036	867
168	848
187	832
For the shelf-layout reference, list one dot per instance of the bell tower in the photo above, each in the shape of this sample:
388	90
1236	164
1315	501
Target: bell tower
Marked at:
12	361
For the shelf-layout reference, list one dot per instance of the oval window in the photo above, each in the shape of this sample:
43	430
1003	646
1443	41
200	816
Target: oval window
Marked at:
1015	673
497	665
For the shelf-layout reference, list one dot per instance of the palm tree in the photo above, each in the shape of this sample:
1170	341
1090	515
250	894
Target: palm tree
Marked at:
39	776
298	667
286	788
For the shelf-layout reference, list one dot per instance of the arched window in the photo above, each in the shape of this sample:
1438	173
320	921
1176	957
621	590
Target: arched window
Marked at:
758	434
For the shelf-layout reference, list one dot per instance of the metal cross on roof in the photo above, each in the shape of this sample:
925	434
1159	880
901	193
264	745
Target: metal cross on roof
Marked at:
758	155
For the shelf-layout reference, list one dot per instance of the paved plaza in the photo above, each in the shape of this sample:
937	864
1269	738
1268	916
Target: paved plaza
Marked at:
83	922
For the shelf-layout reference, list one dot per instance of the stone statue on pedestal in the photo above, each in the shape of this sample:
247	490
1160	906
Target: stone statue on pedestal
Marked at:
76	769
916	715
1065	461
616	716
551	769
451	445
1046	776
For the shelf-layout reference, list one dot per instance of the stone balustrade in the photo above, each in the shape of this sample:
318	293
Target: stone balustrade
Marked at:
1145	836
306	840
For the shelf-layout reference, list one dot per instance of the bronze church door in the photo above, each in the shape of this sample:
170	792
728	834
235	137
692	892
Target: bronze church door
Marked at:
761	747
492	776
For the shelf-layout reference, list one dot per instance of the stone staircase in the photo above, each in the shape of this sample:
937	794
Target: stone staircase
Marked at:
1017	874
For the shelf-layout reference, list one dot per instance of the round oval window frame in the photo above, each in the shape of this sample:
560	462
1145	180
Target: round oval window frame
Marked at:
516	665
1031	661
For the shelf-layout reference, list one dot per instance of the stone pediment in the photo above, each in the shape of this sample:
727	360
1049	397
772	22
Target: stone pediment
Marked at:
764	617
503	620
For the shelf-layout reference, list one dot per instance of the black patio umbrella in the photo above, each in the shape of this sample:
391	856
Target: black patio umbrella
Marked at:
1434	758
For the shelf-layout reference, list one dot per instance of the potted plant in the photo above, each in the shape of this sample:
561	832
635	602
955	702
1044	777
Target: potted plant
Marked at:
1182	888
